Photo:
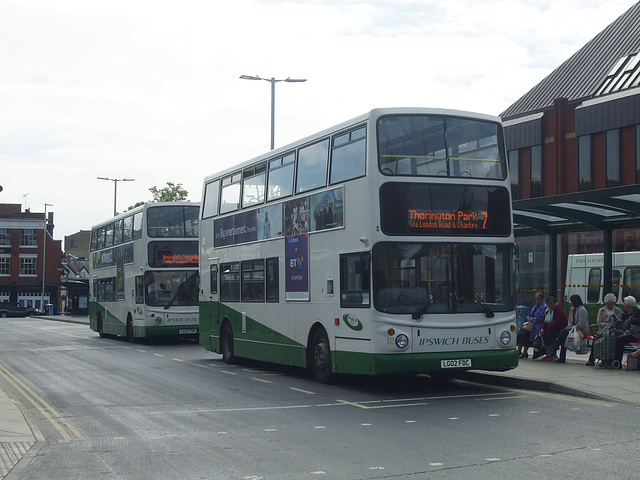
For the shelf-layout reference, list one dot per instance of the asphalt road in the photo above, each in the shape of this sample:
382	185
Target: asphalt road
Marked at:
111	409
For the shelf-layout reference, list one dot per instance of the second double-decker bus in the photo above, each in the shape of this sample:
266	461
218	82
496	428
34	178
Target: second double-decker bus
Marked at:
381	245
144	272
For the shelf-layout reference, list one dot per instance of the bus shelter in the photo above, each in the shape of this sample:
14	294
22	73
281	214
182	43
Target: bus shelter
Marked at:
605	210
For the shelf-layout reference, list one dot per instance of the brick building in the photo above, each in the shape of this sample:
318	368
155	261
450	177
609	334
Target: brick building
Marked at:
573	143
22	254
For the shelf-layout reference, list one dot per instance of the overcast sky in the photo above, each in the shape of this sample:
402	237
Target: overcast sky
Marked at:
149	90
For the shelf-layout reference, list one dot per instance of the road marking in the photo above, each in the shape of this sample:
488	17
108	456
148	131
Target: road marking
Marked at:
158	355
373	407
140	350
228	372
302	391
261	380
569	398
66	430
178	360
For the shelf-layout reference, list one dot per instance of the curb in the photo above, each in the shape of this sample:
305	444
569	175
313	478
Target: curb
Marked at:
529	384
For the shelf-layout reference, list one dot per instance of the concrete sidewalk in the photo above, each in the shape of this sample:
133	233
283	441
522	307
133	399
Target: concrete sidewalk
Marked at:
19	432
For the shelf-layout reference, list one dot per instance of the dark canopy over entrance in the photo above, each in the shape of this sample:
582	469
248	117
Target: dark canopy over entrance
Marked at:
606	210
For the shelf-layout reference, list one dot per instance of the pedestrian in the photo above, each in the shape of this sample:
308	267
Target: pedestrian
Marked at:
555	319
630	328
578	317
527	333
608	313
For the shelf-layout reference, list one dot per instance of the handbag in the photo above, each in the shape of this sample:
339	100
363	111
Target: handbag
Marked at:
574	340
527	326
537	342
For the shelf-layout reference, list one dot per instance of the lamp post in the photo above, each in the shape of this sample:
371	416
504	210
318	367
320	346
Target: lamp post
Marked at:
115	189
44	252
273	82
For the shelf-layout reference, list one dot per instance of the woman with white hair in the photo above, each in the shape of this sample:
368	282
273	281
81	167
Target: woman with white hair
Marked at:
630	329
608	312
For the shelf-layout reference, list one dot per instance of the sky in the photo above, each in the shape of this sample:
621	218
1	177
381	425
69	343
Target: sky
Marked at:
150	90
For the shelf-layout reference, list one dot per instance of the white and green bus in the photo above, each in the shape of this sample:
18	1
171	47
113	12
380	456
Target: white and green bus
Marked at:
381	245
144	272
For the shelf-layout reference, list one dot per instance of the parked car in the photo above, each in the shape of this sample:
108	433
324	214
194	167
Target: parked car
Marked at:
14	309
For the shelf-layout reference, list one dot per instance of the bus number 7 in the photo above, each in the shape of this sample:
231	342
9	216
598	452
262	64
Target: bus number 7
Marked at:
484	224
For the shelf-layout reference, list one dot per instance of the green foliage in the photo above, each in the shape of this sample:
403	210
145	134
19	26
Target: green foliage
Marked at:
171	193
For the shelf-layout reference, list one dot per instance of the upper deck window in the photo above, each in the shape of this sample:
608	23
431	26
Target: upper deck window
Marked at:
172	222
211	197
230	197
348	156
253	185
312	166
421	145
281	172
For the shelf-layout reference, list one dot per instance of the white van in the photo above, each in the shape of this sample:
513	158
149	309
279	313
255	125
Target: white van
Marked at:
585	276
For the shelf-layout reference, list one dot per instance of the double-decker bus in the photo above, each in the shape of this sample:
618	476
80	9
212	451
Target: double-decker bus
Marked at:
144	269
381	245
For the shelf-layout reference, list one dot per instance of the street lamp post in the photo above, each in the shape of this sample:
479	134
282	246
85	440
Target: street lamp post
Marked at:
115	189
44	253
273	82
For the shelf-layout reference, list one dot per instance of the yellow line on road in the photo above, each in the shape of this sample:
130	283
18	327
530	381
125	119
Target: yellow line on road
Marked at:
50	413
302	391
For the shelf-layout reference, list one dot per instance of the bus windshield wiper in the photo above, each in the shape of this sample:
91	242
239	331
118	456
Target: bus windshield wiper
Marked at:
487	311
418	313
180	290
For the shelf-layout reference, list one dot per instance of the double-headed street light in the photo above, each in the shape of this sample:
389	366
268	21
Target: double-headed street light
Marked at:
115	189
273	82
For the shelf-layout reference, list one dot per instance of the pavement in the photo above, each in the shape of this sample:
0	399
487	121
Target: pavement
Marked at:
20	438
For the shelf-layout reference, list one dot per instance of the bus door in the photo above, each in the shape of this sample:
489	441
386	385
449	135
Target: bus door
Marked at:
209	316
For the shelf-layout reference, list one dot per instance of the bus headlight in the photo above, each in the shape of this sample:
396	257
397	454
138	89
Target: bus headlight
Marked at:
402	341
505	338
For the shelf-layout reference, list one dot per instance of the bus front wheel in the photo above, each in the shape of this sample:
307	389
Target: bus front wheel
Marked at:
226	343
321	357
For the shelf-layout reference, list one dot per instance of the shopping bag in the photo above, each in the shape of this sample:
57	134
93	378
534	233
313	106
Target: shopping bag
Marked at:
527	326
574	340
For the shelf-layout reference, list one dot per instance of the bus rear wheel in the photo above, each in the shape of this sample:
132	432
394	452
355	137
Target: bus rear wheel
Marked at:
226	343
320	357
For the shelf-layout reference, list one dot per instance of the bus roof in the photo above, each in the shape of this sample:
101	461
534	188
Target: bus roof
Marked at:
376	112
126	213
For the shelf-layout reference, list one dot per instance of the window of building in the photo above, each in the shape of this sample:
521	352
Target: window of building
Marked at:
5	237
5	265
28	237
28	266
536	171
584	163
613	158
514	172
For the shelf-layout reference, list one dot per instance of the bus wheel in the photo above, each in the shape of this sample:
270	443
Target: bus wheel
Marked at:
130	328
226	343
321	357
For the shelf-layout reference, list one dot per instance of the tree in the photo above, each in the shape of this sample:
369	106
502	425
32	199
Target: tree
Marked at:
171	193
